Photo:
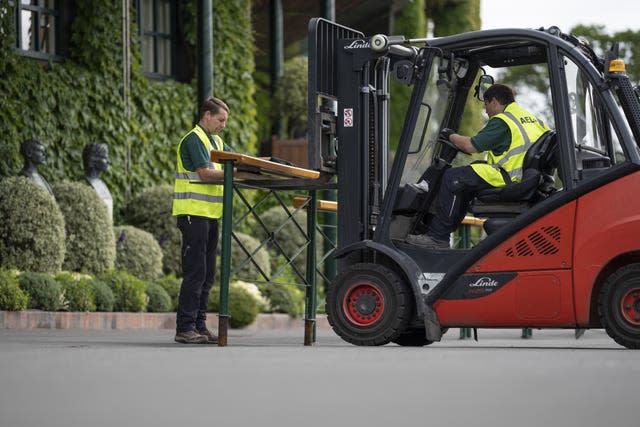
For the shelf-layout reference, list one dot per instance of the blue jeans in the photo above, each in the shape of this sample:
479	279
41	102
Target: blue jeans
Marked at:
199	244
457	189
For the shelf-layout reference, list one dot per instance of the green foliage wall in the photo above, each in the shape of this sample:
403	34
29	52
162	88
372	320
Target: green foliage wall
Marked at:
410	22
79	101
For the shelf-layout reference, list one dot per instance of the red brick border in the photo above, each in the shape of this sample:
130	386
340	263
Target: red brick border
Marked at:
33	319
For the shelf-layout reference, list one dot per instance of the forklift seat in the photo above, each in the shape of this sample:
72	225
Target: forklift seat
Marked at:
537	184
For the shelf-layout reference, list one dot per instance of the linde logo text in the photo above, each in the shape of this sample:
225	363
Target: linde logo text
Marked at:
484	282
358	44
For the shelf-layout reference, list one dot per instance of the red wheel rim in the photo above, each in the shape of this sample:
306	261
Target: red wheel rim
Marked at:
363	304
630	306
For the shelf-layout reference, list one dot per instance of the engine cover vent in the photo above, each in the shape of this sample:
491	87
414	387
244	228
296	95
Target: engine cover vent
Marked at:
544	241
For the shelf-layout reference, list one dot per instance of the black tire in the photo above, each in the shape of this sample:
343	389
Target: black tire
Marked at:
620	306
368	304
412	338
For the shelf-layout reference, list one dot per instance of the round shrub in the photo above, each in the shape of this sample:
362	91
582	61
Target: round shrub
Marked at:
151	212
105	299
243	306
43	291
284	298
137	252
159	299
90	242
171	284
290	238
12	298
31	226
77	290
128	290
241	266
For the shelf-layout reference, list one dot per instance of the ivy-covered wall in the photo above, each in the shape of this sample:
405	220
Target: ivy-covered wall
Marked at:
79	101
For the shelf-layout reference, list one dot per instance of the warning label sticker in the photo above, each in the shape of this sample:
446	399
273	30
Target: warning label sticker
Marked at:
348	117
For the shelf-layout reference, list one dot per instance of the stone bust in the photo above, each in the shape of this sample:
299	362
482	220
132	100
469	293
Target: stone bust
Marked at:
95	158
32	151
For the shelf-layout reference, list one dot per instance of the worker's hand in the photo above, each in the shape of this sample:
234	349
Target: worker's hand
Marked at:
445	133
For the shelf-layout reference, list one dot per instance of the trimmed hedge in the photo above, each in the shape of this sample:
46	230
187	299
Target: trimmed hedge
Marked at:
243	305
128	290
105	298
171	284
151	212
243	268
90	242
31	226
78	292
137	252
12	298
43	291
159	299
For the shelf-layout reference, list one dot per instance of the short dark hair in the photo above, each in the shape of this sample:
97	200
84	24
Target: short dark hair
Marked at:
213	105
502	93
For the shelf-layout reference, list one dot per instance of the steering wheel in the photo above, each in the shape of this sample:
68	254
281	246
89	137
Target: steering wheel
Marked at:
446	141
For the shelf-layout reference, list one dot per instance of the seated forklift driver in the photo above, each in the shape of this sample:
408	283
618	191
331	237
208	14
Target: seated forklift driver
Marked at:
507	136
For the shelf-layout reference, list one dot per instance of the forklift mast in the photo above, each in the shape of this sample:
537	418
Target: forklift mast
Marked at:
348	120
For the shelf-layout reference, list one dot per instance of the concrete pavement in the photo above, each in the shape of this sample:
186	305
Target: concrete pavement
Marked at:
268	378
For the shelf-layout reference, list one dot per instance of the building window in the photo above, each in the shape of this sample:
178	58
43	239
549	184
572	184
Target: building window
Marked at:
38	28
157	31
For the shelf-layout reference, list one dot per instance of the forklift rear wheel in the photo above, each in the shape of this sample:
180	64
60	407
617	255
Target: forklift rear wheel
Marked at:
368	304
620	306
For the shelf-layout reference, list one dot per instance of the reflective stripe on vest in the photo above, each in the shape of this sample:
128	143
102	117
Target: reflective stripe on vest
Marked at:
190	195
525	129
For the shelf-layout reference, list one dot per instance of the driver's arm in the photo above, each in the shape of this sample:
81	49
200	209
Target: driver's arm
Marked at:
463	143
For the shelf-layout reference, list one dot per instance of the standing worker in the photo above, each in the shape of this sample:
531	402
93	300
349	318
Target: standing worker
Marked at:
198	206
508	135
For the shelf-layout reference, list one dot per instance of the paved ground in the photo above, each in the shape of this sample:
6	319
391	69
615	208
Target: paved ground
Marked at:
267	378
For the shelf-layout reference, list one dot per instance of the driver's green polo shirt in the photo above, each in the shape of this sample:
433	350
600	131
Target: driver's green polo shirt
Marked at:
495	136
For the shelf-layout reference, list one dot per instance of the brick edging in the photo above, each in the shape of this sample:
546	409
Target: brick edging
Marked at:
35	319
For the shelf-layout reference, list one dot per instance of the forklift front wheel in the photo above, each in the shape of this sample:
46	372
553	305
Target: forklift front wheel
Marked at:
620	306
368	304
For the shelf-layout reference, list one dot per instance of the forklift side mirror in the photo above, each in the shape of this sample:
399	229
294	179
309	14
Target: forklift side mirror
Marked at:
484	83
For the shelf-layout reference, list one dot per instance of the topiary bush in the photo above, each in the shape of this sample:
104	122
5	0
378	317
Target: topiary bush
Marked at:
151	212
287	235
78	291
171	284
284	298
243	305
159	299
12	298
90	242
240	266
128	290
137	252
105	299
31	226
43	291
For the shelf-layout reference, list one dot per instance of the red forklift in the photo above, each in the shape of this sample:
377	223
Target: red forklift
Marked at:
562	246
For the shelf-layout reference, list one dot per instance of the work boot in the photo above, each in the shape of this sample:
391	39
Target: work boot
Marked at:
211	337
190	337
426	241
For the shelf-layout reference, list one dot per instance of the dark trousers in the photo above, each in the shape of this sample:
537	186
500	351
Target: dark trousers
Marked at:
199	243
457	190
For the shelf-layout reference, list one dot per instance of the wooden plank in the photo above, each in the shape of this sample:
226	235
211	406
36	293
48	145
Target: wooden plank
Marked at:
264	165
322	205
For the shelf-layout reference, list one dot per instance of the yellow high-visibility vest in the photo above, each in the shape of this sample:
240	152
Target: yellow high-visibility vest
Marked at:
190	195
525	130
